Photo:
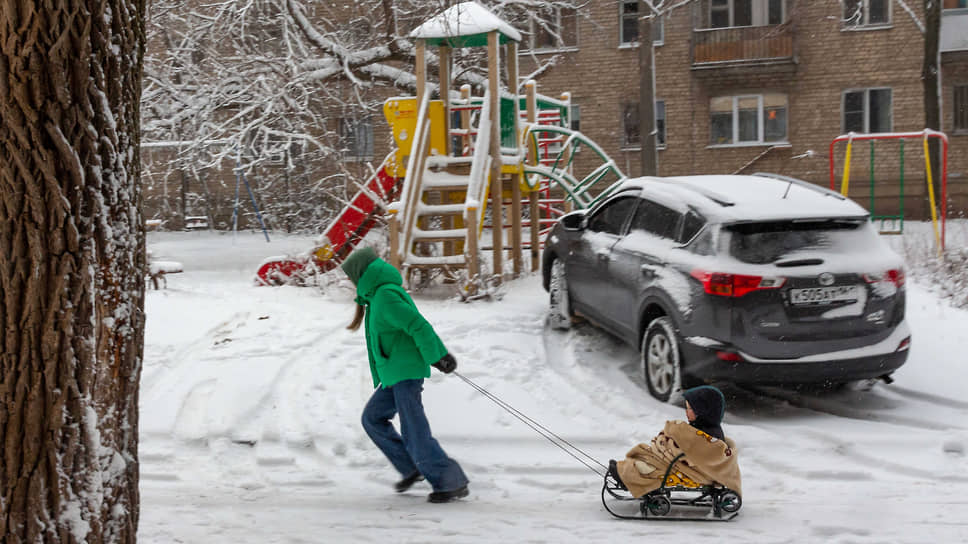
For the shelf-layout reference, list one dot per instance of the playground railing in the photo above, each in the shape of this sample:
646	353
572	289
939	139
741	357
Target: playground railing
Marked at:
480	165
414	174
576	190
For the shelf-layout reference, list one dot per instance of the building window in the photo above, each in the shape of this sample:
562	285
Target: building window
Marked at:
554	28
748	119
961	108
631	136
867	110
356	138
660	123
860	13
631	130
629	25
574	119
728	13
731	13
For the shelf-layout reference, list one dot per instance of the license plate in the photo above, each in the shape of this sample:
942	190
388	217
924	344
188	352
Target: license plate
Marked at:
825	295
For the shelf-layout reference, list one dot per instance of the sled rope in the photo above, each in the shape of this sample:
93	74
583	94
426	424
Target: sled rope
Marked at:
539	428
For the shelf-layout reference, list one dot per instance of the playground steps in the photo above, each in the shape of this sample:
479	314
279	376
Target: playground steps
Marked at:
437	238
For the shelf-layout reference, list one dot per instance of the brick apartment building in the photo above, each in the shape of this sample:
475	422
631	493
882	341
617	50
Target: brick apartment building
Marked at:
765	85
741	86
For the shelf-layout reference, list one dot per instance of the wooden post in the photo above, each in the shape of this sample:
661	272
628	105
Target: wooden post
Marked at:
516	224
516	257
444	53
465	120
421	69
473	264
394	239
533	197
494	88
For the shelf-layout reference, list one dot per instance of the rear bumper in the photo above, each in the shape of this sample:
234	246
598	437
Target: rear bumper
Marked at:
701	361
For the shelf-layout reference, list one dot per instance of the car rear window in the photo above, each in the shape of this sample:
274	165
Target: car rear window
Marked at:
770	242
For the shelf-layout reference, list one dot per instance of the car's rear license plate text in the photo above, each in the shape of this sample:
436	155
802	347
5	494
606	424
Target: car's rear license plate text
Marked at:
824	295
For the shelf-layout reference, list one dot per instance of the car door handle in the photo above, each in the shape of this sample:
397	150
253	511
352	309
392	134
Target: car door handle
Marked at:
647	270
603	255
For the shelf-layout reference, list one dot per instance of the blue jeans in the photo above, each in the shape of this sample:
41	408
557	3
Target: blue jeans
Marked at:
413	449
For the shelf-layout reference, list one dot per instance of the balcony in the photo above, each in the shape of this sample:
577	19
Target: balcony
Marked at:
768	48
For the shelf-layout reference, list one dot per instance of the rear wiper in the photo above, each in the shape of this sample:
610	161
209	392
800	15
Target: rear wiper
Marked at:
798	262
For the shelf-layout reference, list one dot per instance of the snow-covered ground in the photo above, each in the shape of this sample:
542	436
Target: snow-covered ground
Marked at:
251	398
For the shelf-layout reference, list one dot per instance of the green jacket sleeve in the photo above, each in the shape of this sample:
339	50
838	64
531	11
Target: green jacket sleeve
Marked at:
401	314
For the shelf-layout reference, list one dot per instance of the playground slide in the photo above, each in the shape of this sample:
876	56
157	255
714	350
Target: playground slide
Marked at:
342	236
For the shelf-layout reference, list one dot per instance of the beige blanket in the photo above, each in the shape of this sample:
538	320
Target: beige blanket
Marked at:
707	460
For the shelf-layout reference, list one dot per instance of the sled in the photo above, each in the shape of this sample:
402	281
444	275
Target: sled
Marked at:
676	500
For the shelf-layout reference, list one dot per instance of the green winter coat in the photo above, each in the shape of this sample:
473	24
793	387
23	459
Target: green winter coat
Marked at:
400	343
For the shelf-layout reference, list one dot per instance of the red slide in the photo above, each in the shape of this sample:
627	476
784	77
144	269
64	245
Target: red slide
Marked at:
342	236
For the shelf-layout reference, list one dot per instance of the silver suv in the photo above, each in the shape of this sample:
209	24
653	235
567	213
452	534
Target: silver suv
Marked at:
748	279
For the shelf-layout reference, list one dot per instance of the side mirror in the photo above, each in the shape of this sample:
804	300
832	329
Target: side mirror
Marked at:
573	221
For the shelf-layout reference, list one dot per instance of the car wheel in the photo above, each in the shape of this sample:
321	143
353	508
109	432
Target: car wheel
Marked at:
559	307
661	361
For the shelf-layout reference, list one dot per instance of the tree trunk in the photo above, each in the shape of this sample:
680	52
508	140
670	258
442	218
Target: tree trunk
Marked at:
72	269
930	79
650	158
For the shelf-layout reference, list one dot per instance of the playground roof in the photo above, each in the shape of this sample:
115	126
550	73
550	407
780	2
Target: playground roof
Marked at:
465	25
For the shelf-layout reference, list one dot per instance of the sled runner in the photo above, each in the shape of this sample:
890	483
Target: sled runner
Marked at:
678	499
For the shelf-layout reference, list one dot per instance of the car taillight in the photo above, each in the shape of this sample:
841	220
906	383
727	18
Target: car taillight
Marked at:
894	275
729	356
905	344
734	285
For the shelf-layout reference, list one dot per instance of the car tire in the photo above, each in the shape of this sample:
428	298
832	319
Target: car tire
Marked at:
559	305
661	360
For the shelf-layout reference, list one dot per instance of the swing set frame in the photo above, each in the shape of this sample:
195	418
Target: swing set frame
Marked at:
923	135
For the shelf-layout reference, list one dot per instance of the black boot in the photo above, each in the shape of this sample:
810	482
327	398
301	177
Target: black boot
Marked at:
448	496
613	474
408	482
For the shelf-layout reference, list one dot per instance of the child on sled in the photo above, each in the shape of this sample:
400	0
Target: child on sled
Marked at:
710	457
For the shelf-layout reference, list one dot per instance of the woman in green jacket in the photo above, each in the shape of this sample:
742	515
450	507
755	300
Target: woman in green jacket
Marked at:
401	346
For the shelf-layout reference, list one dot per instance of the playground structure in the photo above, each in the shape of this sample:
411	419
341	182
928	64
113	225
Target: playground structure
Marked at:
464	167
897	220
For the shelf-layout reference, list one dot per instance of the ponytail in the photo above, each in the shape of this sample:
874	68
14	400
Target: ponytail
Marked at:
357	318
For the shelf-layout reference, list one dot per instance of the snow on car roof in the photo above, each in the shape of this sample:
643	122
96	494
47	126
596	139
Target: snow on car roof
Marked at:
736	198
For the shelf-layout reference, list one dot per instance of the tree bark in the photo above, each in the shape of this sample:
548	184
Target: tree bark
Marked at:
930	79
72	269
650	158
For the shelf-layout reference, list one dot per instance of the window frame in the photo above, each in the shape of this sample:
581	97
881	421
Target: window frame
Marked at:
633	146
864	23
624	43
350	150
644	203
624	227
759	14
963	103
867	110
760	121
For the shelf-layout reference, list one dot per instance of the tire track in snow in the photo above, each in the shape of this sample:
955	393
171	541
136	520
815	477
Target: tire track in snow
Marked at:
846	409
846	451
